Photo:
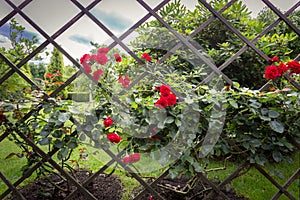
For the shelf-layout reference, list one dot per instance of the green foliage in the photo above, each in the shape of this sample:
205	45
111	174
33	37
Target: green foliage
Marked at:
221	43
37	71
54	73
19	49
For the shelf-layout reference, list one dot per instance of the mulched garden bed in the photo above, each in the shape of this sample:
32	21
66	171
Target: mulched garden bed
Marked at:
106	187
168	188
103	187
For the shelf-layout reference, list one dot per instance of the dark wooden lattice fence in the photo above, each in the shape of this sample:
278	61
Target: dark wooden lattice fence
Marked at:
85	11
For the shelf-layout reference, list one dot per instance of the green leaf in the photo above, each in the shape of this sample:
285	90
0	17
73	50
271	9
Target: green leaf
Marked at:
44	141
59	144
74	111
277	156
62	153
273	114
188	100
160	125
63	117
277	126
72	145
197	167
264	111
265	118
134	105
82	137
177	122
234	104
44	133
169	120
255	104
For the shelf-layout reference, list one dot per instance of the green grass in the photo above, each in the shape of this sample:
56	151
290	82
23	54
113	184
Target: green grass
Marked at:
252	184
11	167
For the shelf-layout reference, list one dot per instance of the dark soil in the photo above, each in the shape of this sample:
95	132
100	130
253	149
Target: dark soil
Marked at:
168	188
106	187
103	187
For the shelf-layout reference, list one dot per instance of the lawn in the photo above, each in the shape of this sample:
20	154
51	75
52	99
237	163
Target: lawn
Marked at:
252	184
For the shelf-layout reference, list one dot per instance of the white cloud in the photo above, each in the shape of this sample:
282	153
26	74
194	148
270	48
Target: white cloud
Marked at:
4	41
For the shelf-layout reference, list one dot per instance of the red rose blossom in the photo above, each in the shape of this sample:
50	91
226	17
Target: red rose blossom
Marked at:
162	102
108	122
164	90
114	138
294	66
126	160
97	74
49	75
282	68
171	98
274	59
125	81
85	58
87	68
146	57
271	72
101	58
103	50
118	57
135	157
152	137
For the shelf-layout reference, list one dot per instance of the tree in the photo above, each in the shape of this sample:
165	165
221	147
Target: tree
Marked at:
54	73
37	70
20	48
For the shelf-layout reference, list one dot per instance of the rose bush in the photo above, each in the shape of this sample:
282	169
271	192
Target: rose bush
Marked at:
146	118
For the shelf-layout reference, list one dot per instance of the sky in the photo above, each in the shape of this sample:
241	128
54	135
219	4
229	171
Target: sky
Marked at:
118	15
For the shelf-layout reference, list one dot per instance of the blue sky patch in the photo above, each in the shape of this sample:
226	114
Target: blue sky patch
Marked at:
112	20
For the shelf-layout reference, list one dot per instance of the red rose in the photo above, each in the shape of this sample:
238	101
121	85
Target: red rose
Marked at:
85	58
124	81
171	98
126	160
162	102
294	66
271	72
146	57
87	68
118	57
101	58
164	90
274	59
49	76
282	68
108	122
152	137
103	50
97	74
135	157
114	138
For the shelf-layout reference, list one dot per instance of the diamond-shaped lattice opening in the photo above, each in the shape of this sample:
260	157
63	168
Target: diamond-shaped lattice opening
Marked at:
77	39
15	31
50	15
5	9
282	6
118	18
